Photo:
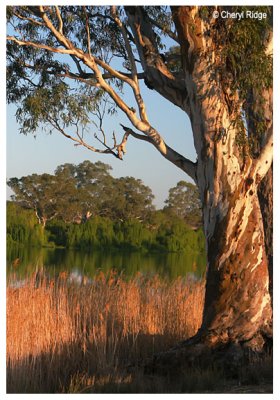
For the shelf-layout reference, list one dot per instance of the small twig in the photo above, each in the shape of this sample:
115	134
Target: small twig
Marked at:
107	147
32	20
87	30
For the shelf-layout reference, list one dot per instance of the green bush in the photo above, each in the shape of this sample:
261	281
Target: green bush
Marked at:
23	227
162	232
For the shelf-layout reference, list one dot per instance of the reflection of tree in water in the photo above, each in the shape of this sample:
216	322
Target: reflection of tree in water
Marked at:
55	261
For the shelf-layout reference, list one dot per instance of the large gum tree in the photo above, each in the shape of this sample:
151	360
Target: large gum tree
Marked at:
62	73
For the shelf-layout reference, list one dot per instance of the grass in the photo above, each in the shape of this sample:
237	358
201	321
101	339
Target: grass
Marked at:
91	336
74	337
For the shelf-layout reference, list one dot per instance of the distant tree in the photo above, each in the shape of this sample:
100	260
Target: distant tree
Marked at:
37	192
184	201
76	192
92	183
50	196
129	199
69	200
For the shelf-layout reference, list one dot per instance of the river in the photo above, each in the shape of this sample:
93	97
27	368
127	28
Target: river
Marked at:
25	261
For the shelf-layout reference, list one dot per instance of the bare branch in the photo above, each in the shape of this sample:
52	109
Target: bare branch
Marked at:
171	155
136	89
32	20
109	150
78	65
39	45
60	28
113	72
126	41
78	142
60	37
137	135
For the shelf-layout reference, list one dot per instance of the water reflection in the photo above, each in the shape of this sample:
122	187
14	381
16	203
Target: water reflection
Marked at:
169	265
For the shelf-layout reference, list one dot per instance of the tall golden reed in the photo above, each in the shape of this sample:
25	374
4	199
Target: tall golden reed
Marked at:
57	329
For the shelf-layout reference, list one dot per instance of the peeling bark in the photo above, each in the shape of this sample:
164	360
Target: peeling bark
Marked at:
237	302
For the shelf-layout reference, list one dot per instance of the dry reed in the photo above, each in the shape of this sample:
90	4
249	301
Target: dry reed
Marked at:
59	330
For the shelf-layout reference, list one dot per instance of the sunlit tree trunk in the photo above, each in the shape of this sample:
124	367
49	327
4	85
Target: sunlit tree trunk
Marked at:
265	194
256	112
237	302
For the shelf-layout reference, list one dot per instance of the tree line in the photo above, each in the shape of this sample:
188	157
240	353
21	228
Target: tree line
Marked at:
84	206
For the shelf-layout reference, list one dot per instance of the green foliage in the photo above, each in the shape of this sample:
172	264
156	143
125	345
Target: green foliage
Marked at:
37	79
174	235
161	233
245	68
183	201
23	228
87	189
131	199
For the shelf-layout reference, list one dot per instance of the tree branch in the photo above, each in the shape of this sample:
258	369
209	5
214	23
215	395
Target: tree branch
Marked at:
136	89
157	74
80	141
152	61
59	35
32	20
171	155
60	27
40	46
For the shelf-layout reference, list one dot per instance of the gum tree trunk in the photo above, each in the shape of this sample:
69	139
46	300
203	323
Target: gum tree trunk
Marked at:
265	194
237	303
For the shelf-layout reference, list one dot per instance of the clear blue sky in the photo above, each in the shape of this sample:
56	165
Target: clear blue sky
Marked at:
27	155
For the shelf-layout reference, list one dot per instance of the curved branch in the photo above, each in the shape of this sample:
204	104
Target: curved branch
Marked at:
78	142
40	46
59	35
25	18
170	154
136	89
157	74
60	28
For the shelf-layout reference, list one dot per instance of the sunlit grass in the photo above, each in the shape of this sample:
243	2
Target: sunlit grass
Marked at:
63	336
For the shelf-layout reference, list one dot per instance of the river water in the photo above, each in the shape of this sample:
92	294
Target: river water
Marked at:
25	261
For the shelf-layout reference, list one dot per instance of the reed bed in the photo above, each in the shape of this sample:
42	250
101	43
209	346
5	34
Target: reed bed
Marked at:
64	336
